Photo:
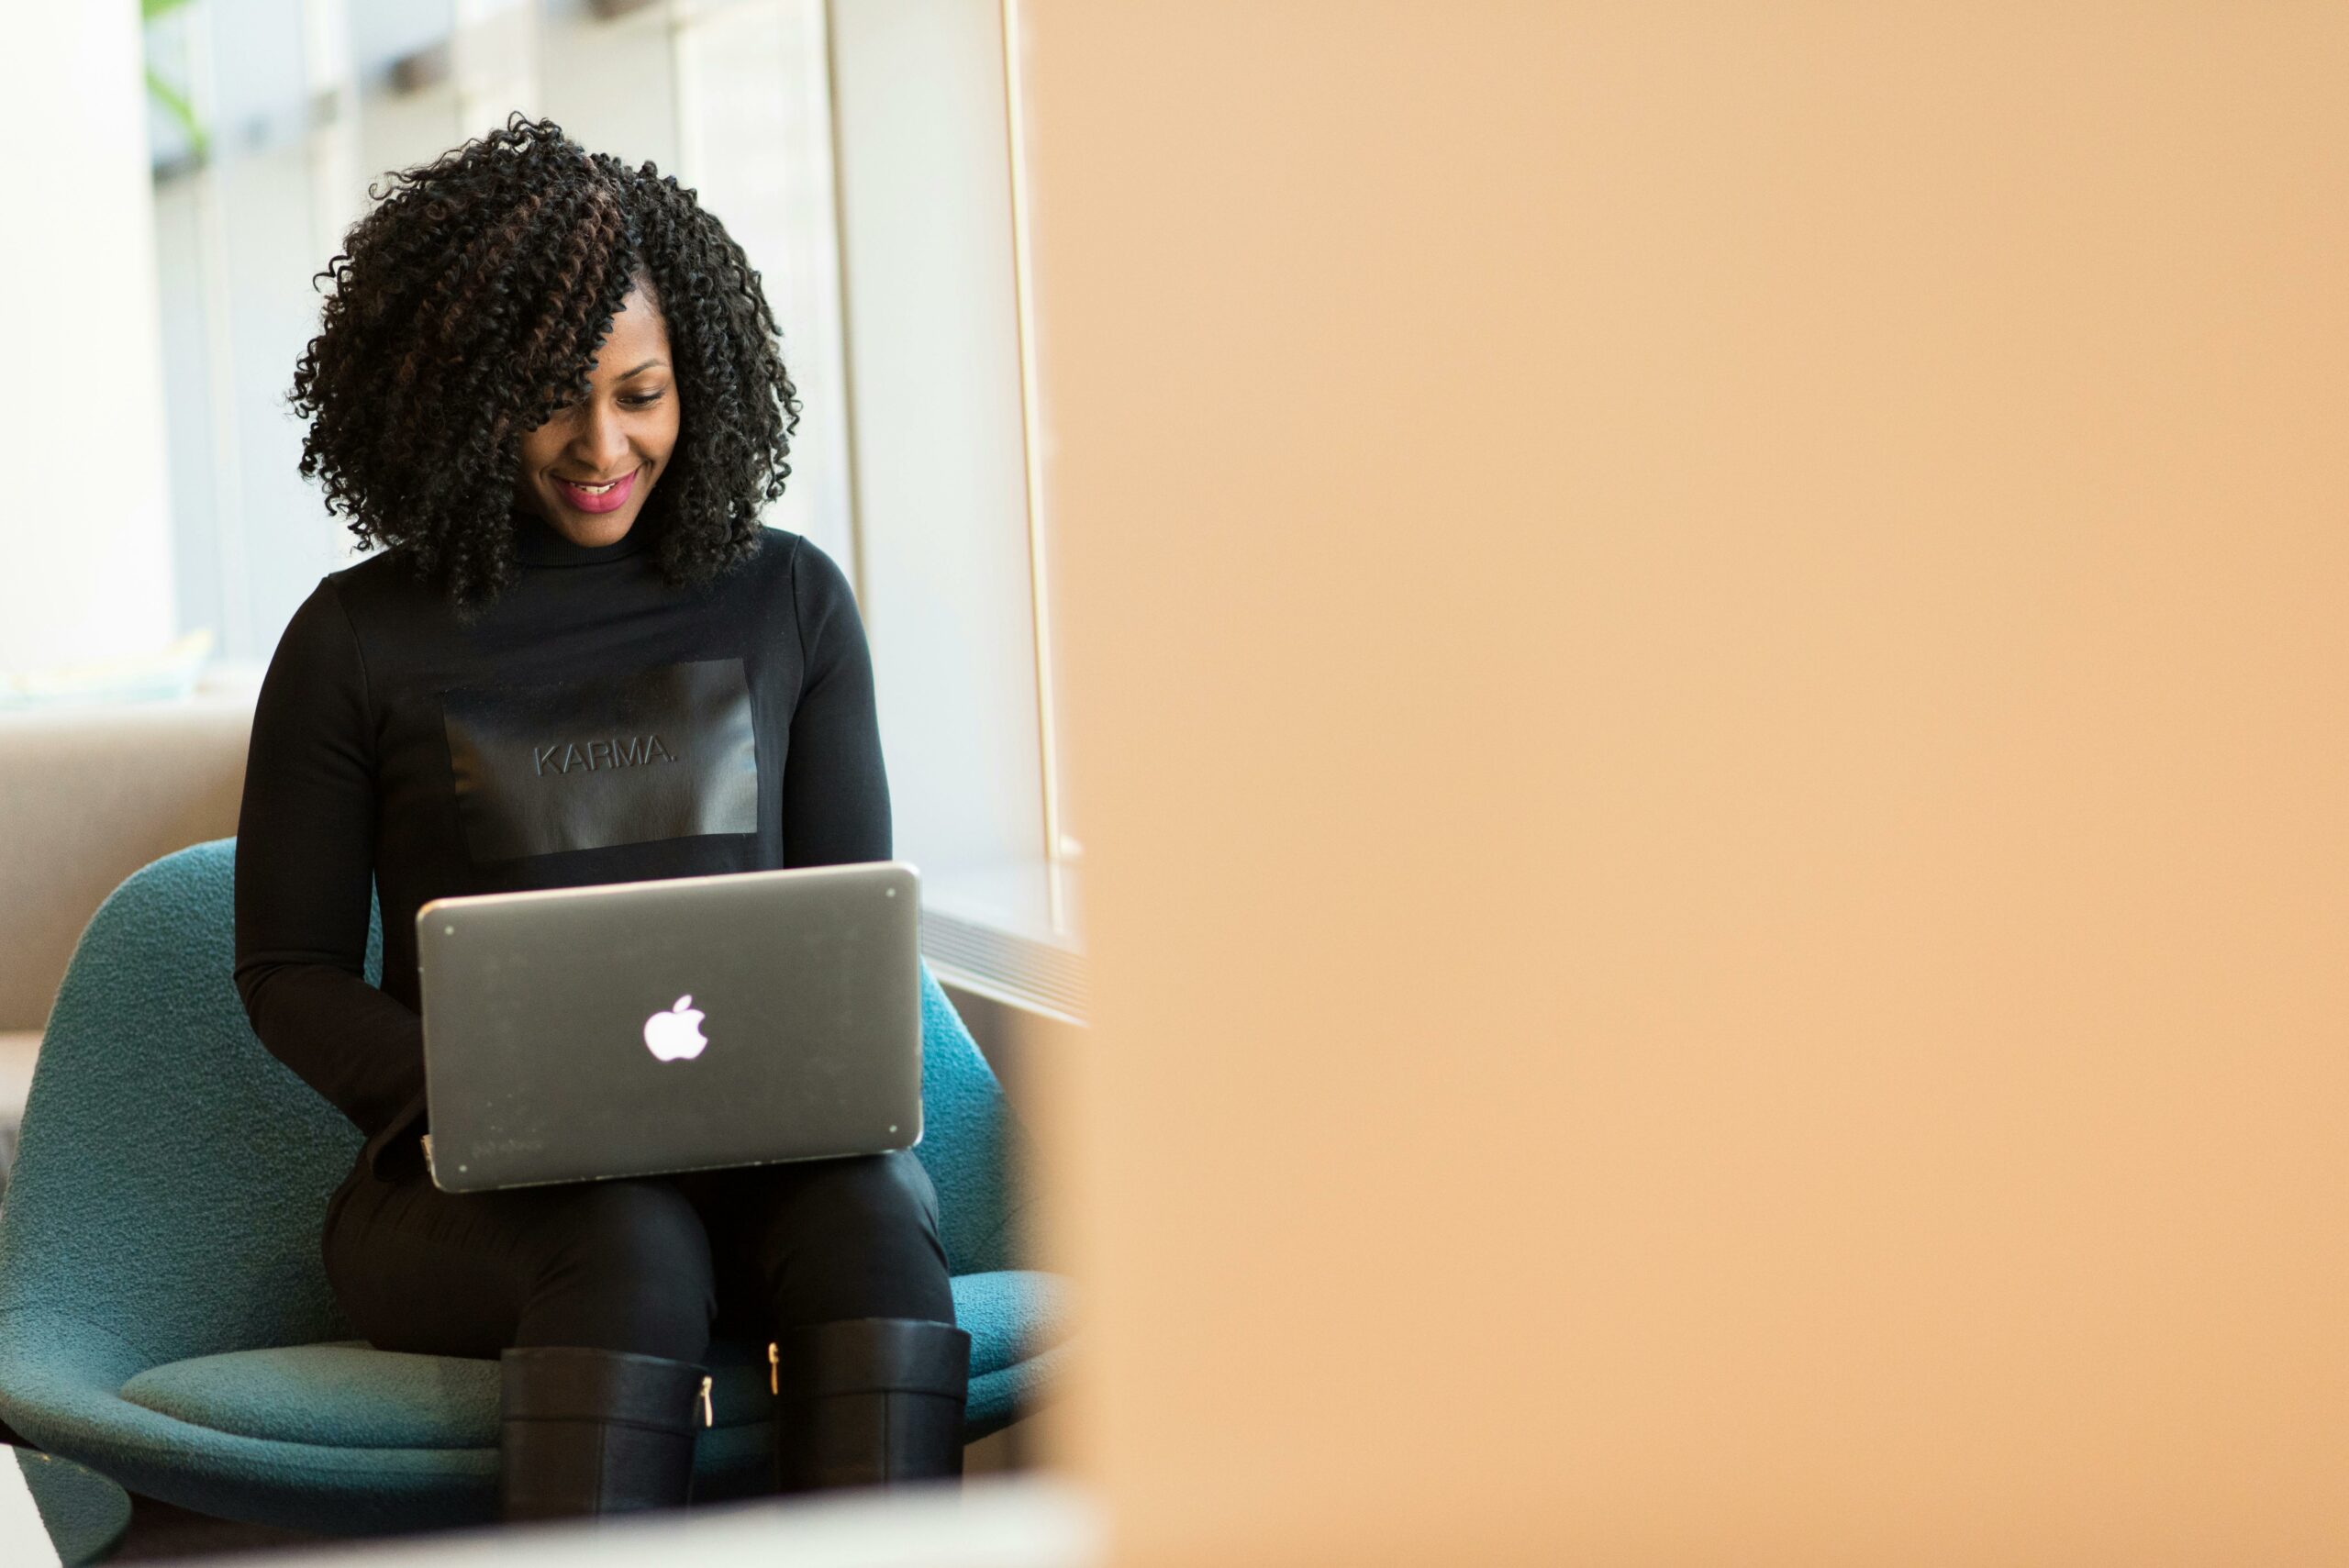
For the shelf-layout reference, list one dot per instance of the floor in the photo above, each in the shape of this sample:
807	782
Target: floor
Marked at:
160	1532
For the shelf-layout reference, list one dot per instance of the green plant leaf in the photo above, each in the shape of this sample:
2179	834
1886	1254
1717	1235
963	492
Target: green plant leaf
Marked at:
176	103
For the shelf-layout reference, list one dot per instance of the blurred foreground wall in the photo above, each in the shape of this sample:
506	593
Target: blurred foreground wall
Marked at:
1709	670
85	544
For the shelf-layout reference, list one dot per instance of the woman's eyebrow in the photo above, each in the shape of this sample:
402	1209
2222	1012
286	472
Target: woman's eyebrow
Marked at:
642	368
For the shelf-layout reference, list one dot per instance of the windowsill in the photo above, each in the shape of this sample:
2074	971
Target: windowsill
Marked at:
994	929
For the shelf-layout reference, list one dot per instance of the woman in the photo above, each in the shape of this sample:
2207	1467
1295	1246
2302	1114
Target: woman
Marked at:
552	386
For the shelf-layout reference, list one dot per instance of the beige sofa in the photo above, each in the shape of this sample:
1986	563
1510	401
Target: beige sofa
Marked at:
90	793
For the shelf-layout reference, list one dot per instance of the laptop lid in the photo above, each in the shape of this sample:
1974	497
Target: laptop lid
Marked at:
690	1023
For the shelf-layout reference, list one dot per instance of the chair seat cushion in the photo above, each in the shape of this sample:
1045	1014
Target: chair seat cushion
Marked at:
348	1395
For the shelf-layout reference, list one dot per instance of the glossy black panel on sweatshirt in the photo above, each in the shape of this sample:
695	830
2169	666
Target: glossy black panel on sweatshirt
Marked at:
668	752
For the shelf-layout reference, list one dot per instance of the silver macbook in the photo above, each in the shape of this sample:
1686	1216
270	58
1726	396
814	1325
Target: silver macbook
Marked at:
695	1022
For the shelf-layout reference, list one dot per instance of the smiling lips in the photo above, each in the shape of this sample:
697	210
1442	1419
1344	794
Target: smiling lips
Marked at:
608	497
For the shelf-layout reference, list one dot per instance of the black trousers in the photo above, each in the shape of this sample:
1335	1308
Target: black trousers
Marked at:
653	1266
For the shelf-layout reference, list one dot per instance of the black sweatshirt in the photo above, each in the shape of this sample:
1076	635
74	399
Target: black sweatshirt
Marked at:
595	725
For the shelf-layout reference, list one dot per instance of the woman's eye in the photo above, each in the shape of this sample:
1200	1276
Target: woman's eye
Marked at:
643	399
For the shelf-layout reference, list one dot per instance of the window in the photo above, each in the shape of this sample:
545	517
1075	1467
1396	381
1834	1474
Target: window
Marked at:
951	547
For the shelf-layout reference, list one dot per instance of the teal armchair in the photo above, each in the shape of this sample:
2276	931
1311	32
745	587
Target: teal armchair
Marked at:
164	1313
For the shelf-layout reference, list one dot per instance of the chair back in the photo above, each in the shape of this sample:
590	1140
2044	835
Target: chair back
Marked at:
172	1175
970	1142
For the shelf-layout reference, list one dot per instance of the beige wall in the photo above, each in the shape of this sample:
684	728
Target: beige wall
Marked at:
1708	669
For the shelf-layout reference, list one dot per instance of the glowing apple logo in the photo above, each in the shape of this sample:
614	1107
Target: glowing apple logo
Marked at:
675	1035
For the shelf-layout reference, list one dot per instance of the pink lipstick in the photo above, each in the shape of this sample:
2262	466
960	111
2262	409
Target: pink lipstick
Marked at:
591	498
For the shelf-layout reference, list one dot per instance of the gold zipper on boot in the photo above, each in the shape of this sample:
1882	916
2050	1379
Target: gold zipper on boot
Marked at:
708	1419
775	1368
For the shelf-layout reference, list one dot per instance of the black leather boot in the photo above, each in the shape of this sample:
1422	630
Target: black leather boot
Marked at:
586	1432
868	1401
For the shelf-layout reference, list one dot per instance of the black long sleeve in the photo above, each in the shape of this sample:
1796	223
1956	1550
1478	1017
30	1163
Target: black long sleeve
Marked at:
836	792
596	726
306	849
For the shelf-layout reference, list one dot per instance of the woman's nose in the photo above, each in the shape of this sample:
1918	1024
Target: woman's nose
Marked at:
603	442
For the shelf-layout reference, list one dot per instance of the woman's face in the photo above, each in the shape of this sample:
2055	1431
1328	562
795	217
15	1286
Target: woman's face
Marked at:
588	469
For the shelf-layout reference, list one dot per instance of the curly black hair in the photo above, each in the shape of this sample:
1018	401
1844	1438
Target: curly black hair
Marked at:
469	304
